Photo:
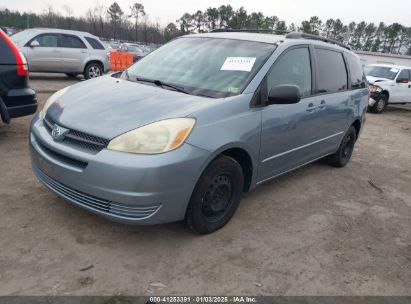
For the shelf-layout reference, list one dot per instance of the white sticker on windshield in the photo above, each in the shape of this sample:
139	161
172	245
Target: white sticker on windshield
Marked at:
394	70
238	64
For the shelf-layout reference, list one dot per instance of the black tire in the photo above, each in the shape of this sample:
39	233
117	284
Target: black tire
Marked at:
380	105
216	196
72	75
342	157
93	70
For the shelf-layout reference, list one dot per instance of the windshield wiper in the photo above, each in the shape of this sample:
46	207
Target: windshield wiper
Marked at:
161	84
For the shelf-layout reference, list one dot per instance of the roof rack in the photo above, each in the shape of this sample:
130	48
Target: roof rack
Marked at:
228	30
298	35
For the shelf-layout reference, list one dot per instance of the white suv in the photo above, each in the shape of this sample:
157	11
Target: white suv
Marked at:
388	84
63	51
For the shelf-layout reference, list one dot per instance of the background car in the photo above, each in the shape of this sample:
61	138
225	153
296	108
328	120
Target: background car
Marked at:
135	49
16	98
389	84
63	51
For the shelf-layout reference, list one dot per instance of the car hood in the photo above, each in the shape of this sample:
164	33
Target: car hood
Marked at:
373	80
107	107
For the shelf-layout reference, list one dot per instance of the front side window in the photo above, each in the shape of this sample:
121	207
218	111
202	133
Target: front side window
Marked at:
358	80
72	42
212	67
332	73
47	40
292	68
404	75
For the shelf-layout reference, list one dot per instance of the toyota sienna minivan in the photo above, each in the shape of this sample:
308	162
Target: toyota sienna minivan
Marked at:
185	131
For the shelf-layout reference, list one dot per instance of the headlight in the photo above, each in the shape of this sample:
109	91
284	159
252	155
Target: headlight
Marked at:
375	89
51	100
155	138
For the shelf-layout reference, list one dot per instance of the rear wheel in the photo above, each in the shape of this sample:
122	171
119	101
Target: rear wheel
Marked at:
380	105
343	155
216	196
93	70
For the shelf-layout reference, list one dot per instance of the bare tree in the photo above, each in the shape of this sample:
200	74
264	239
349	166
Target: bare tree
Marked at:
137	10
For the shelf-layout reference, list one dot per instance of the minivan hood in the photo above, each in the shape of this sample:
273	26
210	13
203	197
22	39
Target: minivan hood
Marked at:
107	106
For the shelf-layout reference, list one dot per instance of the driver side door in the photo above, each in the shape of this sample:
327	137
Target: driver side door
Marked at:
46	56
290	131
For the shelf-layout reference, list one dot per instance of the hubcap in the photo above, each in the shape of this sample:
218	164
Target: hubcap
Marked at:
94	72
218	198
380	105
348	146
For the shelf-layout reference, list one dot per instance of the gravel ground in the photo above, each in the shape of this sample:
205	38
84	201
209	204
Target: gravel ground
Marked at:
316	231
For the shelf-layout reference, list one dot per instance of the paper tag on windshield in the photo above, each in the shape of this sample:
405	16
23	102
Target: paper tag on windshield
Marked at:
238	64
394	70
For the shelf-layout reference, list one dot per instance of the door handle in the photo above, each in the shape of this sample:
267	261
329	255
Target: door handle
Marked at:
311	107
322	105
83	51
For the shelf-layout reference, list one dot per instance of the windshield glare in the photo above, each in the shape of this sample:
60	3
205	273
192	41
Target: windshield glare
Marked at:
21	37
210	67
382	72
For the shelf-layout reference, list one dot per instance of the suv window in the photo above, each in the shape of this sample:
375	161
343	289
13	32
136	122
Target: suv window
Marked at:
356	72
332	73
294	67
47	40
404	75
95	44
69	41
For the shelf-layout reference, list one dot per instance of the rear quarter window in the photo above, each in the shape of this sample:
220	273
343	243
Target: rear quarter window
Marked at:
95	44
357	76
332	73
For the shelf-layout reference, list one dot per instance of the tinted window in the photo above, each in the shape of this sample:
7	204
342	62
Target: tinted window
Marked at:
95	44
332	73
404	75
47	40
292	68
356	72
69	41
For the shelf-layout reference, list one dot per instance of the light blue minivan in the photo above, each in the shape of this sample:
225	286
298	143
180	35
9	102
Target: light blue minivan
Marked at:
182	133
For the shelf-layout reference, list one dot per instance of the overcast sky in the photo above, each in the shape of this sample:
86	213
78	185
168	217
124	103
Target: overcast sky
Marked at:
288	10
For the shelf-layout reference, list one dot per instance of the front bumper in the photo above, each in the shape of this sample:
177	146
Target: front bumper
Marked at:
127	188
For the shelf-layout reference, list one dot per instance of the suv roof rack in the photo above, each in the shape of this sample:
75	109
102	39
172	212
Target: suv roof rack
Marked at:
228	30
298	35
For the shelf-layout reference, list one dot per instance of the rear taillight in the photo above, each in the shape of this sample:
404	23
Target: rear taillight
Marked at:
21	61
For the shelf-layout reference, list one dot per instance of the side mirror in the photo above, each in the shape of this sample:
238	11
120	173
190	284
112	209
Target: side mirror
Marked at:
284	94
402	80
34	43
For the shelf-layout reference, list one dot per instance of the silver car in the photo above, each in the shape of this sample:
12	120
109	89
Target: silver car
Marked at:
182	133
63	51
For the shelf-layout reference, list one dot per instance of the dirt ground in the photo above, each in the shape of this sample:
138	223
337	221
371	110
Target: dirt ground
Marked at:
316	231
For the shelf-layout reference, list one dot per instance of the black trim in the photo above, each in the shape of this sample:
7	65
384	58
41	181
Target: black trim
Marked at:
298	35
5	117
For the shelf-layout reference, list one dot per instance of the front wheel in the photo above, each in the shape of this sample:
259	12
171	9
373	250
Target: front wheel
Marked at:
216	196
343	155
93	70
380	105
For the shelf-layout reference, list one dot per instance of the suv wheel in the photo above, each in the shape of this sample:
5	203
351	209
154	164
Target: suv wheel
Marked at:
72	75
93	70
380	105
216	196
343	155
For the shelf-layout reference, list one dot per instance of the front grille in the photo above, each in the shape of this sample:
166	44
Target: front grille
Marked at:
98	204
79	140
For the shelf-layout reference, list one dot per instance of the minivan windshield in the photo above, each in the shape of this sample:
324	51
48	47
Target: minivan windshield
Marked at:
210	67
382	72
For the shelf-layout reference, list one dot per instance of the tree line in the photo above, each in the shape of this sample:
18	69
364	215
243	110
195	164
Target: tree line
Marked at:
134	24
